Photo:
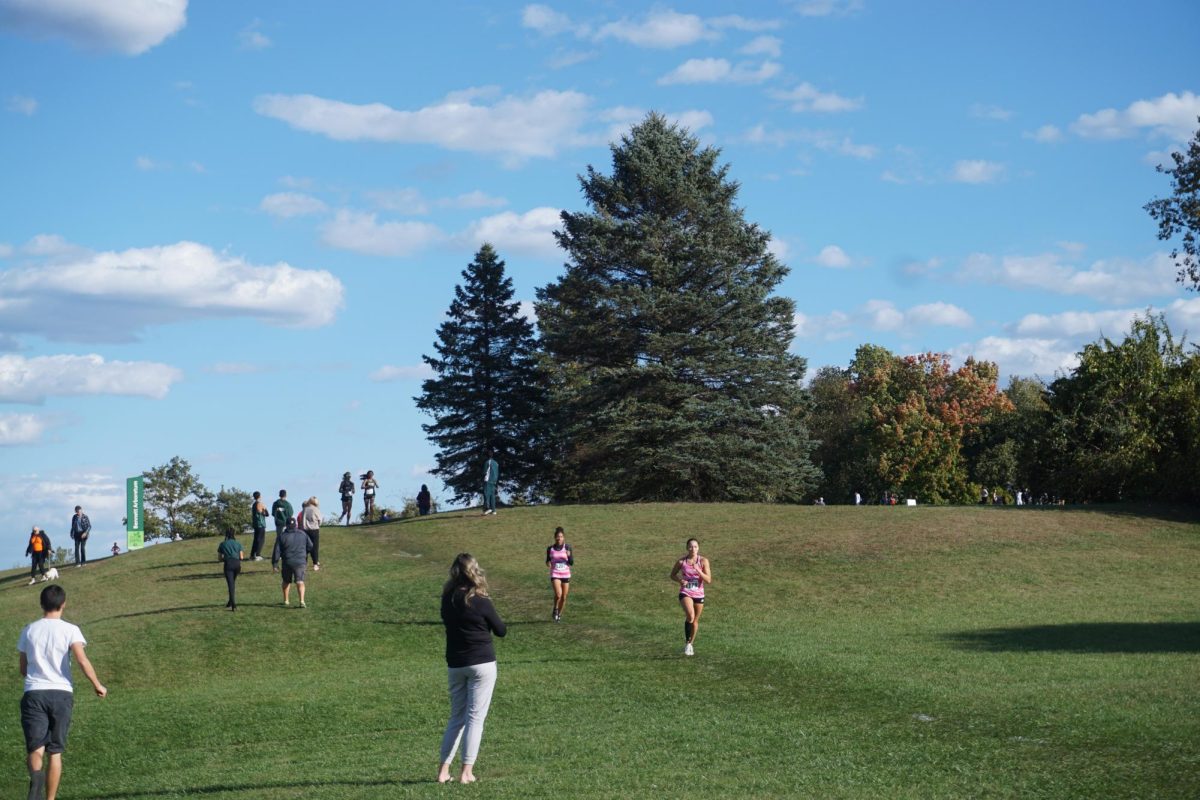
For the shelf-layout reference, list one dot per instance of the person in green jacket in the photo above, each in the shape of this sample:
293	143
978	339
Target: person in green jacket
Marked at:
281	511
230	553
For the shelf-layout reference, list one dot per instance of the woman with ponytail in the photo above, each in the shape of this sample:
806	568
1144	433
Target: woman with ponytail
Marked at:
470	620
691	573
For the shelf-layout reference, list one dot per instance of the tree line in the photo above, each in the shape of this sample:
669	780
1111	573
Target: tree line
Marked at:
661	371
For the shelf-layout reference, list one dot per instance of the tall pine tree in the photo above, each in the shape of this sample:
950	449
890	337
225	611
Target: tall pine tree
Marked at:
671	374
488	393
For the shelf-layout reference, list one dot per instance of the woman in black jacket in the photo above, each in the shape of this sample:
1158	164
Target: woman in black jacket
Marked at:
470	620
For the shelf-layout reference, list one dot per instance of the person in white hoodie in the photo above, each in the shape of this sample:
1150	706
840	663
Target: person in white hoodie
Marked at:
312	526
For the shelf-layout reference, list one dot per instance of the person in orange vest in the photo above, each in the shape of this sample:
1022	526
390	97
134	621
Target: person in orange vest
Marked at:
39	549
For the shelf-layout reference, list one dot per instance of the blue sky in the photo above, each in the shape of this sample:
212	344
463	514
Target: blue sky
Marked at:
229	230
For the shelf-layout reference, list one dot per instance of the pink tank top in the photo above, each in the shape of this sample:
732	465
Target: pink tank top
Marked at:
694	587
559	568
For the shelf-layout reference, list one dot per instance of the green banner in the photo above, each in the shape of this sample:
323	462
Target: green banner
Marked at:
135	528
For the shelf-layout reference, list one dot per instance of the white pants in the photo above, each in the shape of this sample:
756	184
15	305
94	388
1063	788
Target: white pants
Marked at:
470	695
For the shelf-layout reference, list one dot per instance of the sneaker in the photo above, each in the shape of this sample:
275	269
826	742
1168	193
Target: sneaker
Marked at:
287	602
302	604
258	558
32	581
316	567
687	650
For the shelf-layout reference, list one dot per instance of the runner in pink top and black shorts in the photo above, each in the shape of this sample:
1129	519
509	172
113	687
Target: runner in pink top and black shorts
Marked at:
560	560
691	573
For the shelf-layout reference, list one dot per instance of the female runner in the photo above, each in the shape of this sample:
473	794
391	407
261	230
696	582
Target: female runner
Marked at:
691	573
560	560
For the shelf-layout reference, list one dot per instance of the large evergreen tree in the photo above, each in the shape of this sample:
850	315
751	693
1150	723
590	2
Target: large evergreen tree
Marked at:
672	378
487	393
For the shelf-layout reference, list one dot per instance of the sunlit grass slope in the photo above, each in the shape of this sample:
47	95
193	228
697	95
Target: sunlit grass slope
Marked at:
845	653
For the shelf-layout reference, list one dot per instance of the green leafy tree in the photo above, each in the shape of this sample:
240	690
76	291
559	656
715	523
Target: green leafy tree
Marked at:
839	424
176	496
1013	448
488	392
671	376
229	510
1127	419
1180	213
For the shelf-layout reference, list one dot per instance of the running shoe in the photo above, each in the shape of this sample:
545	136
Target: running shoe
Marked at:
687	650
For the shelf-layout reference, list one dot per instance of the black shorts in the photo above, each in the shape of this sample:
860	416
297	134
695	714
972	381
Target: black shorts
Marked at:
294	573
563	580
46	718
347	499
698	600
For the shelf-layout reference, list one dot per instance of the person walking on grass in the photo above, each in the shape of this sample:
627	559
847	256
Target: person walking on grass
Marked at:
292	548
346	490
258	521
691	573
39	551
46	647
470	620
282	513
424	501
230	553
491	477
560	560
312	526
81	527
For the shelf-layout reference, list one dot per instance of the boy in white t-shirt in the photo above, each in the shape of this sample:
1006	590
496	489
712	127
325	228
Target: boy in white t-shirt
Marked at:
46	647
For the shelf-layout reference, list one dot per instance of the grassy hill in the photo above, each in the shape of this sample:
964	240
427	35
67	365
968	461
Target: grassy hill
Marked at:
844	653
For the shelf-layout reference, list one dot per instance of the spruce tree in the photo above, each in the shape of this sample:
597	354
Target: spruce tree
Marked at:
487	393
671	376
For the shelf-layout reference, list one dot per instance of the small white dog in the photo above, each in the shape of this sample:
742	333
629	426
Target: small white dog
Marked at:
51	574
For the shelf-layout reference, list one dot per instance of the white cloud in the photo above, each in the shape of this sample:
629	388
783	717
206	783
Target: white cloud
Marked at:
659	29
528	310
1043	357
622	118
292	204
530	234
719	70
1105	280
147	164
826	8
475	199
833	257
976	171
778	248
822	140
828	327
569	58
250	38
401	201
32	380
770	46
19	104
18	429
131	26
363	233
984	111
516	127
29	495
1047	134
881	316
863	151
1075	323
806	97
547	21
1172	116
74	294
391	373
939	313
422	470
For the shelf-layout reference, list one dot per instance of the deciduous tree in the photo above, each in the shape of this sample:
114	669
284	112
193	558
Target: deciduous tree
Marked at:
1179	214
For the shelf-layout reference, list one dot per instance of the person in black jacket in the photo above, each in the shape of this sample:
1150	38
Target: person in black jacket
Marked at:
81	527
39	549
470	620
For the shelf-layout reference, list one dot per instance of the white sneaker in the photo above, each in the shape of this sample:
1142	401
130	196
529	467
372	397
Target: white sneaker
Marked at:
32	581
687	650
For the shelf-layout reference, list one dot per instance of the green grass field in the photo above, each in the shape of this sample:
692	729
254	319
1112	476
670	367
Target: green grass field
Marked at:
844	653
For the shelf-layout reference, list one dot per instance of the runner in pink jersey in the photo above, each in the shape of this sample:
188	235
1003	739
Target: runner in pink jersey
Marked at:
560	560
691	573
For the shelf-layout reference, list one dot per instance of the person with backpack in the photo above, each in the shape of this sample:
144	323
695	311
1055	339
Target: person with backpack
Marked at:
39	550
81	526
346	490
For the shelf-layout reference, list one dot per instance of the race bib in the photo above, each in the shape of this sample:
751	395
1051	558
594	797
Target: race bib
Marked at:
560	566
694	583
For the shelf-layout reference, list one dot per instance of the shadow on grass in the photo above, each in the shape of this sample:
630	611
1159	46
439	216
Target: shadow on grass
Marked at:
200	576
249	787
428	622
180	564
1086	637
157	611
1161	511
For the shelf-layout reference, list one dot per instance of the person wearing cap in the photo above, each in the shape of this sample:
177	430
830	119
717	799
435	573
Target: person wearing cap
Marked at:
292	548
346	490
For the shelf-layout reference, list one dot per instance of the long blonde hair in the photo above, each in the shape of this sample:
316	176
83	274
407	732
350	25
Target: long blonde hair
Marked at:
466	572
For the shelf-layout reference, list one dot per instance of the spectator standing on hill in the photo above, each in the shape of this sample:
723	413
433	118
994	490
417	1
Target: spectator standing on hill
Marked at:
346	490
81	527
369	486
491	477
312	526
258	521
292	548
282	513
230	554
46	647
470	620
39	550
424	501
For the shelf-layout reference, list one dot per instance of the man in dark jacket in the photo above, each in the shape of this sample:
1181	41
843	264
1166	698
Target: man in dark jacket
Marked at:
81	526
292	547
39	549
